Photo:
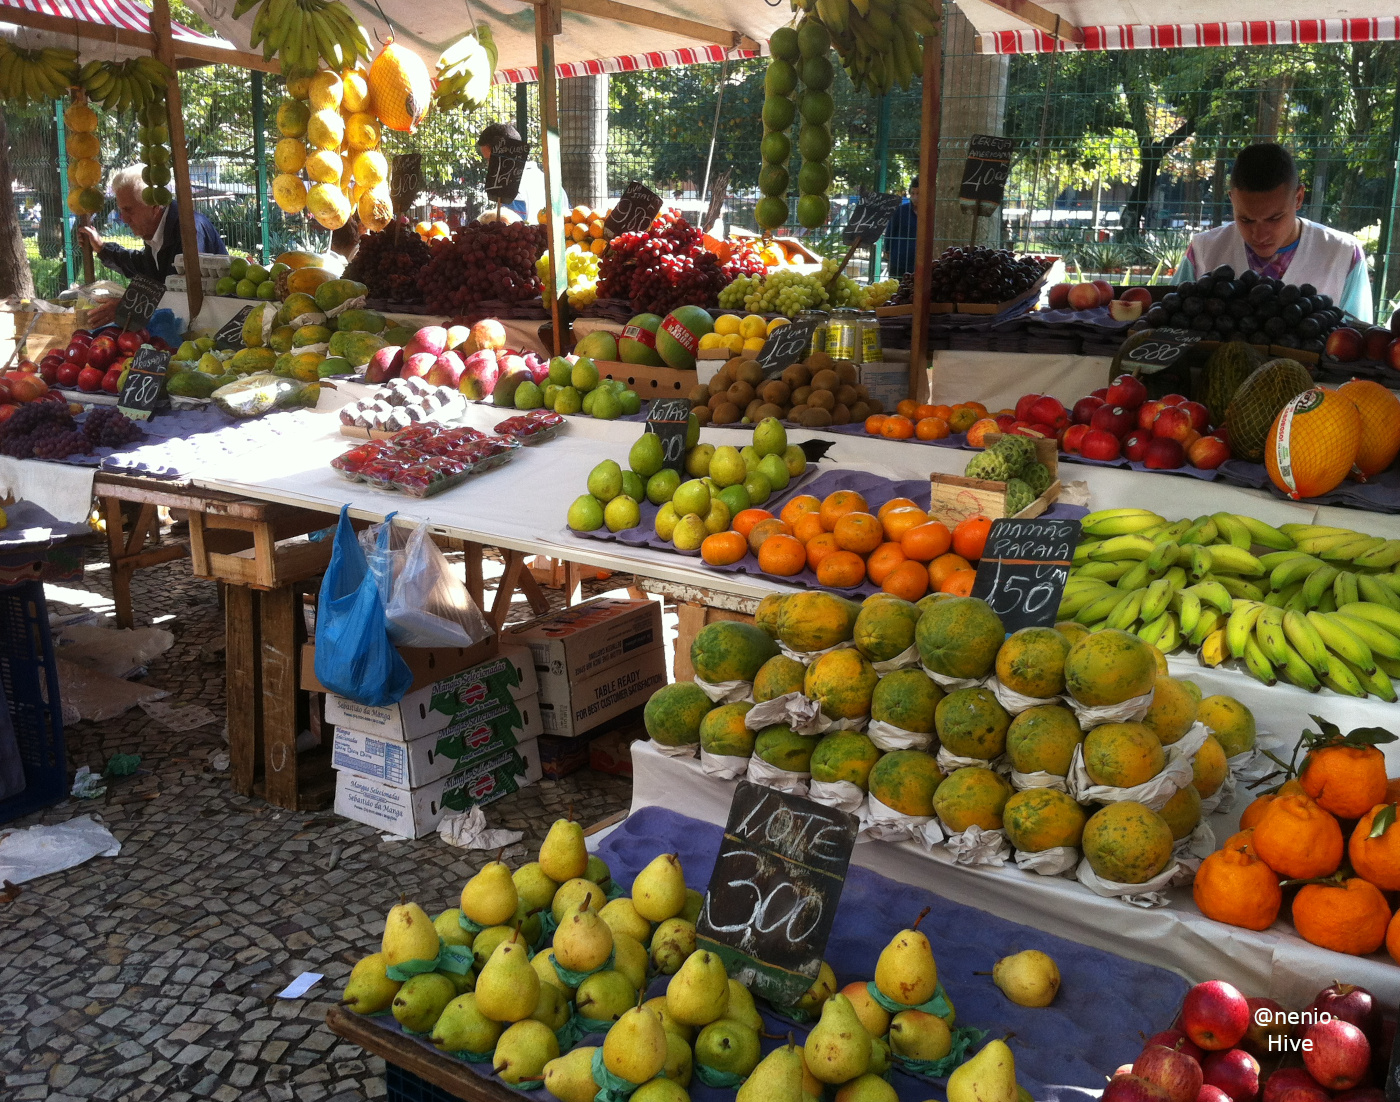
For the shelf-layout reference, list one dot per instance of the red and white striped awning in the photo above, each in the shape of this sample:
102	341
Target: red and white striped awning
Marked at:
1169	36
628	63
126	14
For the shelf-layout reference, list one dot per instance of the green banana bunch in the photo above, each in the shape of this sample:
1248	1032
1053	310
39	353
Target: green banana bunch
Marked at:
303	33
134	84
464	71
33	76
877	40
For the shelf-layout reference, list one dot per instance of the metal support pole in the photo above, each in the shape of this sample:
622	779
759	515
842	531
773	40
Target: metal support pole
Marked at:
260	157
1388	264
522	110
548	23
931	130
882	177
63	182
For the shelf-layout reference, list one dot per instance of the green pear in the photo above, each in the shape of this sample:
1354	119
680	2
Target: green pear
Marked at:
660	1090
1029	978
210	364
778	1075
563	855
750	457
906	971
662	485
604	483
691	497
838	1048
622	918
583	941
462	1027
823	987
920	1036
796	459
489	898
605	996
727	466
728	1045
598	871
204	344
630	959
486	942
671	944
533	887
717	519
421	1000
741	1007
698	994
553	1008
463	982
697	460
186	352
449	928
530	925
775	470
573	892
645	456
507	988
635	1047
658	892
879	1056
694	904
570	1077
689	532
543	964
868	1088
523	1051
1023	1095
369	990
408	935
680	1061
665	524
769	437
872	1015
990	1076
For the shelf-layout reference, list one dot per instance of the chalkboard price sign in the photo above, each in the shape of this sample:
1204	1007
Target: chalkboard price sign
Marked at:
635	210
773	894
504	168
1023	570
1162	349
785	346
144	390
230	334
870	219
986	170
139	302
669	418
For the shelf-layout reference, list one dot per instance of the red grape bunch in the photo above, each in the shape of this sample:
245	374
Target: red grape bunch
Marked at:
390	262
483	261
667	265
108	427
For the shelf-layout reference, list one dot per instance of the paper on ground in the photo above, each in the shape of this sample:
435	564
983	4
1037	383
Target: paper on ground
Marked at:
41	850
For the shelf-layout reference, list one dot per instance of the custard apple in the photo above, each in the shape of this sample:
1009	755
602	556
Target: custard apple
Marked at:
1037	477
988	465
1018	451
1018	496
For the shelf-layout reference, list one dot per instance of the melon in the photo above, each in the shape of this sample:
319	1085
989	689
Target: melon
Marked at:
599	345
678	338
1313	443
637	345
1380	425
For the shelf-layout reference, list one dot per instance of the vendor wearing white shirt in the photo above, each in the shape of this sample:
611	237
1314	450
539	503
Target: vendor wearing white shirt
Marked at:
1269	238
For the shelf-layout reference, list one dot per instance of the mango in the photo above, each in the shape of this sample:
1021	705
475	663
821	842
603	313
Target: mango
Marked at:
361	321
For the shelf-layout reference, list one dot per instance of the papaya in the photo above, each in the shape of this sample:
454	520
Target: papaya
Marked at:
972	796
1127	842
783	748
333	292
1032	662
766	616
246	361
300	306
777	677
1037	819
191	384
728	650
252	326
843	683
959	637
1182	813
971	723
358	348
304	281
1042	740
361	321
907	781
722	731
399	335
1122	755
299	259
885	628
1109	667
844	756
673	714
280	339
1173	710
310	334
814	620
907	699
334	365
305	367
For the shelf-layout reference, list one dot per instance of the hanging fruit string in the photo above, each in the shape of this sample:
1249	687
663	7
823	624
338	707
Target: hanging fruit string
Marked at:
35	76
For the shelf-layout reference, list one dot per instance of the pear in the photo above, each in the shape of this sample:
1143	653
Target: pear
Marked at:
680	1061
660	1090
872	1015
421	1000
658	892
727	1045
1029	978
534	888
523	1051
489	898
570	1077
605	996
462	1027
868	1088
681	1030
671	944
408	935
486	941
462	981
694	903
369	990
777	1078
838	1048
823	987
811	1085
906	971
543	964
530	925
698	994
449	928
598	871
622	917
630	959
916	1035
741	1007
563	855
553	1008
1023	1095
507	988
583	941
635	1047
990	1076
879	1056
573	892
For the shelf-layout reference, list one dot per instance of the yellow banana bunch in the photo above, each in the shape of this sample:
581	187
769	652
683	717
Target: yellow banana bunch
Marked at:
464	71
302	33
32	76
126	85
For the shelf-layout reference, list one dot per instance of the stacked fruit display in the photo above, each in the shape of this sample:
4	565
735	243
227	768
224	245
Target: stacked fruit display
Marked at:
1089	295
84	150
464	71
913	420
472	360
316	331
33	76
248	279
666	266
1376	344
303	33
814	393
388	262
570	384
154	135
483	261
797	55
1251	308
1011	460
785	291
1318	606
739	335
93	361
581	263
585	227
975	273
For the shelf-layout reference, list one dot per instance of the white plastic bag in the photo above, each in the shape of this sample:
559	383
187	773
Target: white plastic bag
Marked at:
429	606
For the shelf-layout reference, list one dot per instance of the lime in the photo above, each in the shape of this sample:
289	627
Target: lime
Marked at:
622	512
780	79
735	498
778	112
773	180
631	403
814	142
256	272
586	514
817	107
661	486
246	289
770	212
633	485
238	267
267	290
817	73
784	44
812	39
814	178
226	286
812	210
776	148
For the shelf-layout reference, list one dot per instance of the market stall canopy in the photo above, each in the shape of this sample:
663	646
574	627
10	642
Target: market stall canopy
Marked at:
108	29
599	36
1021	26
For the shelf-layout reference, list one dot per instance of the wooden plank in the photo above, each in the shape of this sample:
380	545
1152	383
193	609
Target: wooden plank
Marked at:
689	620
475	582
661	21
179	154
539	603
505	591
1041	19
279	611
242	654
930	128
199	555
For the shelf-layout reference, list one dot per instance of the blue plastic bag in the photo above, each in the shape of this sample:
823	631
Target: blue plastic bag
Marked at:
354	657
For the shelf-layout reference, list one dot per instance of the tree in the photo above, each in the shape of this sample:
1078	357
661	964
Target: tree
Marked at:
15	276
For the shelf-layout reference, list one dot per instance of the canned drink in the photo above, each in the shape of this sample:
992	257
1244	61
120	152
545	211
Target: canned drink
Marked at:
841	334
819	320
871	351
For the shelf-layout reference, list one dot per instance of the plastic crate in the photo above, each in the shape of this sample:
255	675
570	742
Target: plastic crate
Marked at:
404	1086
29	678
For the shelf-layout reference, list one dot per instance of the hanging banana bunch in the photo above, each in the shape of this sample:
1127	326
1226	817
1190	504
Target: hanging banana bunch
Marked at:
302	33
464	71
32	76
877	40
124	85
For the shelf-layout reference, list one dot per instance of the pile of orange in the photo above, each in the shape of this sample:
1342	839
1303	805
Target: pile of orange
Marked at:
585	227
924	422
899	548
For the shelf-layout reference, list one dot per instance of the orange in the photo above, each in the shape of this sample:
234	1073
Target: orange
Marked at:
840	503
931	428
897	428
963	419
926	542
723	548
1380	424
977	407
959	583
874	423
901	521
764	529
977	432
906	407
1313	443
745	520
908	580
798	506
924	411
1392	790
970	536
1351	917
1298	839
1346	780
819	547
806	526
895	503
1376	859
882	562
841	570
1255	811
858	532
781	555
1235	887
942	567
941	411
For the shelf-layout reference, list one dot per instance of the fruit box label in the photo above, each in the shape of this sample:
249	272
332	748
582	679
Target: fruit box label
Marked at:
574	707
485	781
590	637
688	340
636	333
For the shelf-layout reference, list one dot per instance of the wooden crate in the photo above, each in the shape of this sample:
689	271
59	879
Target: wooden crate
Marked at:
49	330
262	551
954	498
649	382
1033	291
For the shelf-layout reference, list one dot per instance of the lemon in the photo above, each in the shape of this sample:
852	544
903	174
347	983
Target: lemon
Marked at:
727	324
289	155
753	326
777	323
734	343
709	341
754	344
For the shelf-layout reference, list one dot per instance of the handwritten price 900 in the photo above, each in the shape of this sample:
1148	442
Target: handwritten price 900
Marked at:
783	905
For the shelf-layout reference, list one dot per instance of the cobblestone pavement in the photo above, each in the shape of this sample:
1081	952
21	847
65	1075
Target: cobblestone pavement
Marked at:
152	975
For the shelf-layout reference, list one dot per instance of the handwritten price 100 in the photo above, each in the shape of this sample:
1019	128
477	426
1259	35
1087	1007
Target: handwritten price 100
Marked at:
783	906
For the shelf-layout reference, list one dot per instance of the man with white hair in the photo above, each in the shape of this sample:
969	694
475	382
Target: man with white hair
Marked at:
158	227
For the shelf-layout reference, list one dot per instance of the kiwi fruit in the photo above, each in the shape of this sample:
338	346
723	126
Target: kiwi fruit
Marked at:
726	413
718	385
847	371
750	372
826	379
767	409
796	412
740	392
860	411
821	399
800	395
862	392
845	395
840	415
717	400
746	364
876	406
775	391
699	394
702	415
796	376
815	418
819	361
751	410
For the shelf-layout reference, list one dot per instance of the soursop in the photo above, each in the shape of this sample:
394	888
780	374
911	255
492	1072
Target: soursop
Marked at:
1037	477
1018	451
1018	496
988	465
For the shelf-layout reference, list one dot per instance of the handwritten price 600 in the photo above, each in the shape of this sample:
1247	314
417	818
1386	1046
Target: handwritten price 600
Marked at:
1159	352
782	905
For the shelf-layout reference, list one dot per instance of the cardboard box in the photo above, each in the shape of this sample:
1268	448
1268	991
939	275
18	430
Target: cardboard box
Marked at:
427	664
886	381
412	764
578	642
414	812
572	708
612	753
440	704
561	756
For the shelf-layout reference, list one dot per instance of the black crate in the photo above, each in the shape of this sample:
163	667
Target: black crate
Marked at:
29	680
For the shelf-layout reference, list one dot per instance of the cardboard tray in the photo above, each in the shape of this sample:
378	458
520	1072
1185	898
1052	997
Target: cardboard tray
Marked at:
649	382
954	498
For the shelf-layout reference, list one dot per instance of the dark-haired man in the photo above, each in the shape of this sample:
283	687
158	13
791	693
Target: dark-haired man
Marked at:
1268	237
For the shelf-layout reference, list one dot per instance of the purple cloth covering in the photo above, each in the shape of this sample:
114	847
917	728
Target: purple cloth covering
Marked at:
1380	495
1097	319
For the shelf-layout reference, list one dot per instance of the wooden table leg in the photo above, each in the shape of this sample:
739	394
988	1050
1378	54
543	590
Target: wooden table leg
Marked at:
280	609
126	552
539	603
116	549
242	663
505	591
475	583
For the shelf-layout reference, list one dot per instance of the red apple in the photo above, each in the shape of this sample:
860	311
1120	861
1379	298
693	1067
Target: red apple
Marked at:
1174	1038
1351	1004
1119	310
1115	419
1392	354
1147	413
67	375
1048	410
111	381
1339	1055
1207	454
1005	421
1083	296
48	370
1132	1088
102	352
1105	290
1374	341
1173	423
1099	444
1073	437
1344	344
1209	1093
1024	404
27	388
1137	294
1286	1079
1101	394
1135	444
1174	1071
1126	391
1214	1014
29	367
1164	455
130	341
7	393
1235	1072
89	378
1200	416
1189	440
1084	409
76	352
7	410
1059	296
1306	1094
1122	1069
